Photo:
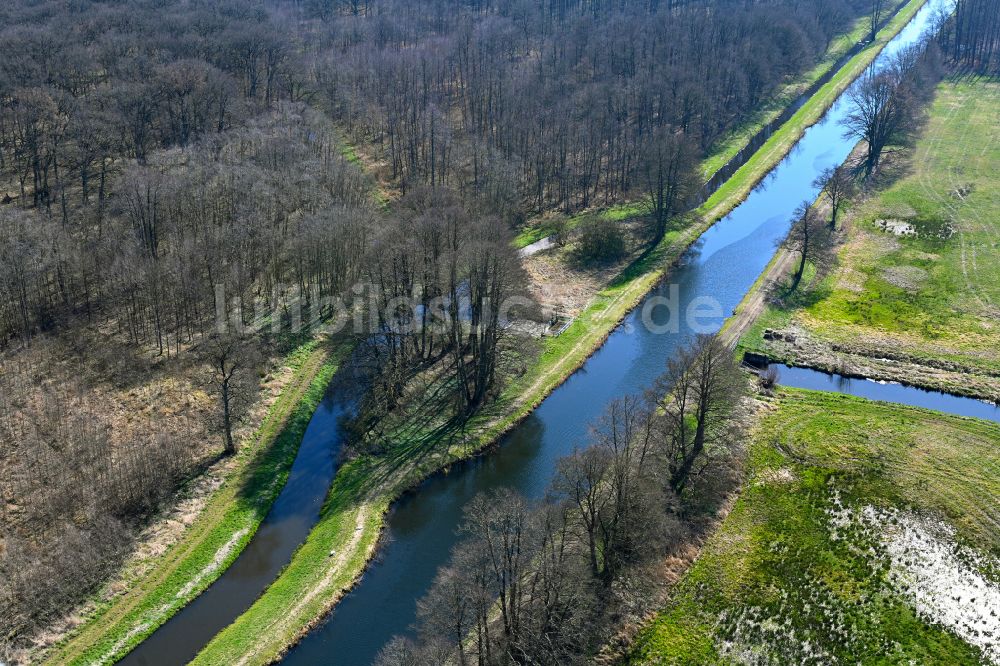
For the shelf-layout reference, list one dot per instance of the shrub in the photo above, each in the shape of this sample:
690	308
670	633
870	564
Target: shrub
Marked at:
601	241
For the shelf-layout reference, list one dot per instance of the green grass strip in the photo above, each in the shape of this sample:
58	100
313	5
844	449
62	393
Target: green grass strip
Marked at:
222	529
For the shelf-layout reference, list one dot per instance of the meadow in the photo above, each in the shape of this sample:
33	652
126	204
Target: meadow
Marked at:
865	533
915	295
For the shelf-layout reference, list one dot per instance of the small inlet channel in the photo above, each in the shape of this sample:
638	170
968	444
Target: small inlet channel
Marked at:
816	380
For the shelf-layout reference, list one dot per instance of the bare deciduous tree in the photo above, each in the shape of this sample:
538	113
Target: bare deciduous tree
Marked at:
837	185
878	115
668	163
699	400
875	18
233	362
804	239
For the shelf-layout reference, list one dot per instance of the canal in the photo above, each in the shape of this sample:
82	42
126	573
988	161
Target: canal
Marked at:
714	275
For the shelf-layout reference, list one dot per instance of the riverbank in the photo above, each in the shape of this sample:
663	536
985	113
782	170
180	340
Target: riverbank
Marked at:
917	305
857	524
153	588
366	486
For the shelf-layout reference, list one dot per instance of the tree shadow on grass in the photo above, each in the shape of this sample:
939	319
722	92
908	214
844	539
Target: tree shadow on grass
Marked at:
418	431
258	489
656	253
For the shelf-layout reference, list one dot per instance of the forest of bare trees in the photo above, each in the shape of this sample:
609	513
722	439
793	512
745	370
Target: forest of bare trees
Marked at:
973	37
73	479
229	210
151	157
558	104
136	213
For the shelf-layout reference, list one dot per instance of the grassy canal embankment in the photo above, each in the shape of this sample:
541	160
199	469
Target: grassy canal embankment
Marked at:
865	533
158	588
366	486
915	294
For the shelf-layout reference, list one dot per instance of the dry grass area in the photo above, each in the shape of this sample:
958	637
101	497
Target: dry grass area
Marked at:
95	441
565	285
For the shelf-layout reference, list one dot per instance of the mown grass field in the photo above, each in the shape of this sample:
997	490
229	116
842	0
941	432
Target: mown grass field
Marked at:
786	580
934	296
365	488
221	530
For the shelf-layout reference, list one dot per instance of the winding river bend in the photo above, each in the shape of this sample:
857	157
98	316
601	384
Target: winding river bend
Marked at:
723	265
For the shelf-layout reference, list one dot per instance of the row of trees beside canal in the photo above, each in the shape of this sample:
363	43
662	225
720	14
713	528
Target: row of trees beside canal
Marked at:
972	38
547	583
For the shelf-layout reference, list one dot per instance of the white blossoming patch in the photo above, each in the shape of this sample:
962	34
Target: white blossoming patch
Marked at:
941	579
839	517
749	636
947	584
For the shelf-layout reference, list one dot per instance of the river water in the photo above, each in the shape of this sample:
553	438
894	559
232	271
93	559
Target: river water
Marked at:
888	392
722	266
287	524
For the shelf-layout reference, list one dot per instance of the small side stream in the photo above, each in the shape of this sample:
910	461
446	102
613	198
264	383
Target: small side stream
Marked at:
287	524
816	380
